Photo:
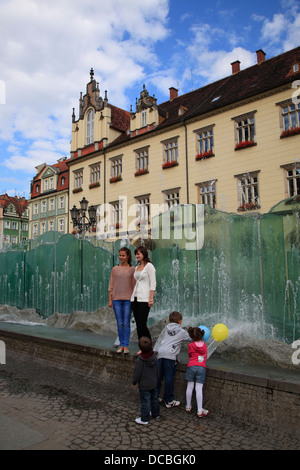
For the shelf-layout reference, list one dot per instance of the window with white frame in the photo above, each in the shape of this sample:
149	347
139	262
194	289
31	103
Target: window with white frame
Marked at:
51	183
24	227
245	128
51	204
171	150
142	159
46	185
144	117
248	191
95	173
14	239
6	224
205	140
90	127
292	178
6	238
43	227
78	178
35	209
290	116
117	213
207	193
62	202
51	225
44	206
172	197
116	167
35	230
61	225
143	209
15	225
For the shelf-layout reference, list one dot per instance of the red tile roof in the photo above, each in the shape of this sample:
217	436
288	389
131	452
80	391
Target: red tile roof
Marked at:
20	203
63	170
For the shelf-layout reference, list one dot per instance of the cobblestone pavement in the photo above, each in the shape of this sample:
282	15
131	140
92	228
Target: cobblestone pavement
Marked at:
43	408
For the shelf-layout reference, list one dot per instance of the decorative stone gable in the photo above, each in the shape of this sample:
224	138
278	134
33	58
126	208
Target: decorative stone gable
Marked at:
146	115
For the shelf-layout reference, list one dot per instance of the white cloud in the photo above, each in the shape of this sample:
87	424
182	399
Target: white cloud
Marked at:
46	52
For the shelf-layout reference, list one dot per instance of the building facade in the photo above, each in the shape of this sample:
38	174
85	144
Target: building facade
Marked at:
14	220
48	204
233	144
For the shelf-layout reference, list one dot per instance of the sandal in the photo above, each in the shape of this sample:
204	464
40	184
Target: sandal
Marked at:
120	350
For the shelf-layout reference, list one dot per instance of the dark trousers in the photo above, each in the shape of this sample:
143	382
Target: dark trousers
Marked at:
140	313
167	370
149	402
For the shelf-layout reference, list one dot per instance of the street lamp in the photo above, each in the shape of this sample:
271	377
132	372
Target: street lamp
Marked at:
79	217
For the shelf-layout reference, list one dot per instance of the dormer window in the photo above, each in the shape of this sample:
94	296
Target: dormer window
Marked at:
90	127
144	118
296	68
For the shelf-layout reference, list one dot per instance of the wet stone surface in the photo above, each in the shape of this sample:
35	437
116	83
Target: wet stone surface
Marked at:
75	412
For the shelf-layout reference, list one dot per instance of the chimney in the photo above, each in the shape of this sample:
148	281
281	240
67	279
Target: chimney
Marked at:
173	93
235	67
261	56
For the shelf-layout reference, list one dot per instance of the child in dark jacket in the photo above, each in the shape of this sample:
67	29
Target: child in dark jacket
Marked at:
146	375
196	371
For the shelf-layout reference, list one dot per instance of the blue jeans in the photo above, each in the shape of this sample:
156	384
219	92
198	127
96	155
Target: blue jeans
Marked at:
122	309
149	402
167	370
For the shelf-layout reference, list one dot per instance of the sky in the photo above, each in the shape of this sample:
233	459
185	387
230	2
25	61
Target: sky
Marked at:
48	48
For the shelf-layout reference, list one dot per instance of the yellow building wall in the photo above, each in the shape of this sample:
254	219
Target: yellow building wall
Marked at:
266	157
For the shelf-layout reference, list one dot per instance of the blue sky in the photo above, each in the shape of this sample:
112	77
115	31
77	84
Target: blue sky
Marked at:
47	50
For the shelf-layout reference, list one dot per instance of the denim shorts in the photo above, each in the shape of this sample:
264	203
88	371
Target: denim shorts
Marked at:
195	374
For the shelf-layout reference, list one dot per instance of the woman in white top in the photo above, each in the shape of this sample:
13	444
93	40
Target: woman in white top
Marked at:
142	296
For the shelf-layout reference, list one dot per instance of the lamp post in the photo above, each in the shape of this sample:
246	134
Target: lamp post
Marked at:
79	217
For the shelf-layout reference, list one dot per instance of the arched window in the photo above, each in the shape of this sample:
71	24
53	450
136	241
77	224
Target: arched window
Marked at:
90	127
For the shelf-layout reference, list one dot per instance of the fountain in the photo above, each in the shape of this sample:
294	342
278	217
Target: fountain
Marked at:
212	266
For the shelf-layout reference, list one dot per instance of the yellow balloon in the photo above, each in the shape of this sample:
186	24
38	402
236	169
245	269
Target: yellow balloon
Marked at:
219	332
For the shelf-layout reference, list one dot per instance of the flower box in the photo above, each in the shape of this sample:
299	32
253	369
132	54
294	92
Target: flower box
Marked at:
115	179
77	190
245	144
204	155
169	164
248	206
141	172
94	185
290	132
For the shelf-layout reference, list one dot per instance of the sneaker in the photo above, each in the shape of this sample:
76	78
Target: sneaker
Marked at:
139	421
188	410
203	413
172	403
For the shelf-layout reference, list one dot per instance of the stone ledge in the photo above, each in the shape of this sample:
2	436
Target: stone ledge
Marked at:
258	400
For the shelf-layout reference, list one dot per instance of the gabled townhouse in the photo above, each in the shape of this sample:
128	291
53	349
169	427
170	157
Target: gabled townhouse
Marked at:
233	144
14	220
48	204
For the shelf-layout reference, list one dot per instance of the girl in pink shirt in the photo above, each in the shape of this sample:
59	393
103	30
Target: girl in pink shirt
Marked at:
196	371
120	288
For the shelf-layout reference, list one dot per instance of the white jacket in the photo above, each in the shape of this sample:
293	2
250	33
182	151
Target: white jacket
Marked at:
145	283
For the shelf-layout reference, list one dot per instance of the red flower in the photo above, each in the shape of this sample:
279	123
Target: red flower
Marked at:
169	164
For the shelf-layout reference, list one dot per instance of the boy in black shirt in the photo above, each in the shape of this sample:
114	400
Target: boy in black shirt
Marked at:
146	375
